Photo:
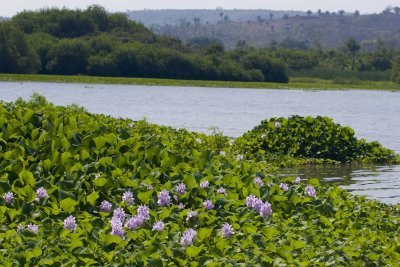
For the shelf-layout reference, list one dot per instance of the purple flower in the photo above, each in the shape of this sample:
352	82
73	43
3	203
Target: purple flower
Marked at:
181	189
135	222
41	193
240	157
222	153
227	230
188	237
117	228
258	181
208	204
284	186
297	180
221	190
204	184
231	142
143	211
198	140
20	228
263	136
150	187
257	204
119	214
105	206
69	223
8	197
163	198
250	200
181	206
158	226
33	228
277	125
266	210
191	214
310	191
127	197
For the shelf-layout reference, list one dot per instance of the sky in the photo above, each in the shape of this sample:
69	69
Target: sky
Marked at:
9	8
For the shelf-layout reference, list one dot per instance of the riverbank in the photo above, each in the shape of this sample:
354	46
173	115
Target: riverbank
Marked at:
295	83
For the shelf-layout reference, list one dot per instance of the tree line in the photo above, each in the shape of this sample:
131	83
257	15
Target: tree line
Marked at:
95	42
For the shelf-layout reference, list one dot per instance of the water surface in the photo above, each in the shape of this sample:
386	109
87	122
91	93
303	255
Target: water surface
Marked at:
374	115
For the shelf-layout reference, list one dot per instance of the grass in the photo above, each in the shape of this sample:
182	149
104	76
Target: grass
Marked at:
295	83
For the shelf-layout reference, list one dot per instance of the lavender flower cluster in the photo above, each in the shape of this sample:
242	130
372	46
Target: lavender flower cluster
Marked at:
117	222
8	197
227	230
208	204
127	197
258	181
204	184
265	209
163	198
284	186
310	191
41	193
188	237
70	223
191	214
181	188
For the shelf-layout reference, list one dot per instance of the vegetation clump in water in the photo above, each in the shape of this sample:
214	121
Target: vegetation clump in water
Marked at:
308	137
89	190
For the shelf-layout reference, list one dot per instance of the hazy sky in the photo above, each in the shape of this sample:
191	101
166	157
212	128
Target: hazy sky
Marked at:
11	7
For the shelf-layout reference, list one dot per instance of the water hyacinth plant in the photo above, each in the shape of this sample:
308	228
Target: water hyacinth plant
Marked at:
70	223
163	198
127	197
181	188
204	184
41	193
188	237
8	197
158	226
86	163
227	230
105	206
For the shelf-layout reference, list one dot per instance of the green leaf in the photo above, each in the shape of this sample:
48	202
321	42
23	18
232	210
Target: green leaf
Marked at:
101	181
204	233
145	197
193	251
189	181
91	199
112	239
27	176
373	256
68	205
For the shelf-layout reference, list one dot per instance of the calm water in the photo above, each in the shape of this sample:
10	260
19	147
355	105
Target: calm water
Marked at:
374	115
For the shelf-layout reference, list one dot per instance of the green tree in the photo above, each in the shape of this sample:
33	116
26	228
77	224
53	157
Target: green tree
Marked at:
396	69
69	57
16	56
351	48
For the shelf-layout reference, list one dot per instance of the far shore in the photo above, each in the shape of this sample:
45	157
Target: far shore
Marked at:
294	83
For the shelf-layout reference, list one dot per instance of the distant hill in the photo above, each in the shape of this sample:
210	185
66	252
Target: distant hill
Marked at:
289	29
204	16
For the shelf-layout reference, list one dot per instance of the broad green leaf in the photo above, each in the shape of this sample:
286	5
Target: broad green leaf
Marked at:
91	199
68	205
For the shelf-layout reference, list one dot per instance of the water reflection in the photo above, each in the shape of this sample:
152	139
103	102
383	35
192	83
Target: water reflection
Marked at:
381	182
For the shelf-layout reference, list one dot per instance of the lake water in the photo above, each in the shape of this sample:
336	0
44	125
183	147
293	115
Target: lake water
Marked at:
374	115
